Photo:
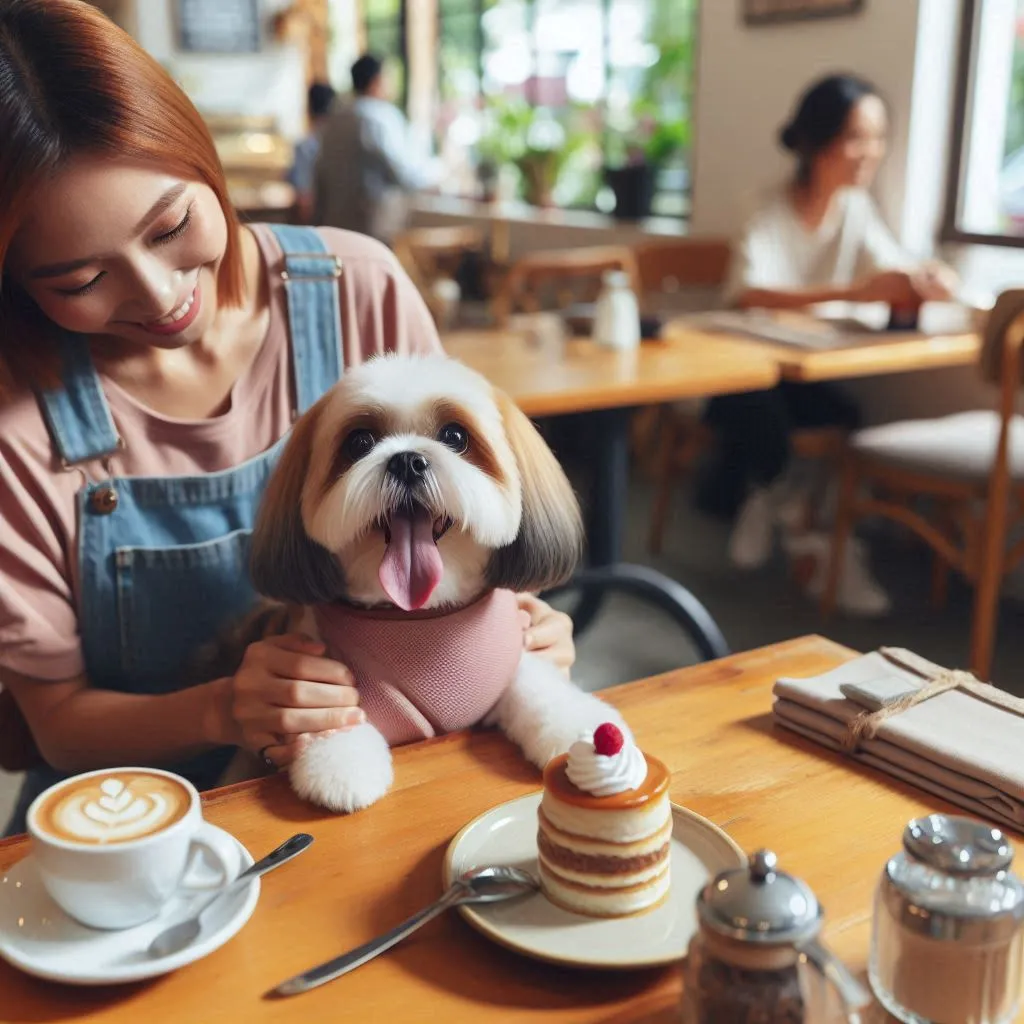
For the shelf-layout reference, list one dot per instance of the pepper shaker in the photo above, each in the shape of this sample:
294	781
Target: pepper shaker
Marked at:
756	957
947	936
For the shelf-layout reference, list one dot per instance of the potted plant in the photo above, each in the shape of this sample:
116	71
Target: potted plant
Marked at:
532	141
651	132
635	157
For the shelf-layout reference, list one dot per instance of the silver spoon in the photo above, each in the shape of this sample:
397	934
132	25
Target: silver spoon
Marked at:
178	936
481	885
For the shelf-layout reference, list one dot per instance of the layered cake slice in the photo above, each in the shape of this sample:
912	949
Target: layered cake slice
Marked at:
605	825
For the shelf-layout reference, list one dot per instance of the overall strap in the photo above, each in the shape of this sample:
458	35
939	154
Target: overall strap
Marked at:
310	278
76	411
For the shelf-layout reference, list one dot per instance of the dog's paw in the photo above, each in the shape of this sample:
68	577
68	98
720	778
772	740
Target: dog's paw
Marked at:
344	772
557	735
546	719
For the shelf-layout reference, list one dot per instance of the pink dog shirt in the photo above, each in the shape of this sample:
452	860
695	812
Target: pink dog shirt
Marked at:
421	674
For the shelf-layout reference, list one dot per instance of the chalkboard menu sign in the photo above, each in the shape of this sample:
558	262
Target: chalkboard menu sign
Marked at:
218	26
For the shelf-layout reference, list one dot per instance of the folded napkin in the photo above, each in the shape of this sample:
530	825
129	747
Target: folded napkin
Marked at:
939	730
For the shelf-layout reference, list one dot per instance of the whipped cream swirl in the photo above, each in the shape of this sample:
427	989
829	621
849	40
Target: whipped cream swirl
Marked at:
605	774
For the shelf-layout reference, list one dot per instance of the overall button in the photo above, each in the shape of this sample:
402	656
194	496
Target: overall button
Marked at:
103	500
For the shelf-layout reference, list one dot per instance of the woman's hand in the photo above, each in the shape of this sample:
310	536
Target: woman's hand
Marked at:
285	691
546	632
936	282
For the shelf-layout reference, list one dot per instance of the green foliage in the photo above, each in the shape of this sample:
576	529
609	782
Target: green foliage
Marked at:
1015	114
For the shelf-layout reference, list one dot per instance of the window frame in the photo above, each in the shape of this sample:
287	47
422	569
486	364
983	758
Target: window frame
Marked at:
963	86
401	20
530	92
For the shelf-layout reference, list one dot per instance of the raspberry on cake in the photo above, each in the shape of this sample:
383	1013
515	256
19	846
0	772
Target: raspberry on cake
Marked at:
605	826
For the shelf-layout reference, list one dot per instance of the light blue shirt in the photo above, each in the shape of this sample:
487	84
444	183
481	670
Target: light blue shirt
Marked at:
300	175
367	164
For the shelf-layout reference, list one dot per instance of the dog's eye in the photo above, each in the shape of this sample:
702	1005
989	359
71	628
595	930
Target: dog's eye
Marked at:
359	444
455	437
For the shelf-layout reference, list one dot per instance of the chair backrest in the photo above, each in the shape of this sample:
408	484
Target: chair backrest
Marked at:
430	255
557	278
1002	364
670	264
996	335
427	252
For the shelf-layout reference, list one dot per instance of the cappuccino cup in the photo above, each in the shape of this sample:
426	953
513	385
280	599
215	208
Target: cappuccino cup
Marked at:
112	847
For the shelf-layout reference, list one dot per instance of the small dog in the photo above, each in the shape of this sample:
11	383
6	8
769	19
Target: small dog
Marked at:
409	505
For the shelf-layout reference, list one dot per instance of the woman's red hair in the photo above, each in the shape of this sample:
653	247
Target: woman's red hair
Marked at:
72	82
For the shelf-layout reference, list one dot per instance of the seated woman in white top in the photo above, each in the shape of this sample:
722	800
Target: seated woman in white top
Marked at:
818	238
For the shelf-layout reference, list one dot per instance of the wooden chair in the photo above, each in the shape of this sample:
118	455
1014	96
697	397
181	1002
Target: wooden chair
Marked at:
429	255
970	466
683	439
667	266
558	278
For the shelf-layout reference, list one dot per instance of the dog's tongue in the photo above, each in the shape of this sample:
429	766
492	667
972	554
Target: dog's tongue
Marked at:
411	567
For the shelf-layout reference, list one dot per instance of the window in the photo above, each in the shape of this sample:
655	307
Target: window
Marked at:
384	22
558	93
986	201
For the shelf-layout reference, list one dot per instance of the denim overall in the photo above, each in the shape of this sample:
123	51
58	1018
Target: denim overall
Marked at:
163	561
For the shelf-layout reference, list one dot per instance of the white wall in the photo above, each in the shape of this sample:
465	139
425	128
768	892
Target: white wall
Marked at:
271	82
748	79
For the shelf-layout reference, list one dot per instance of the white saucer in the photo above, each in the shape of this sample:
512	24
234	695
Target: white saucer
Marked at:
38	937
532	925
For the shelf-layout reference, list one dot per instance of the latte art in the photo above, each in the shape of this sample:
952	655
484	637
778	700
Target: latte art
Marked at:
113	808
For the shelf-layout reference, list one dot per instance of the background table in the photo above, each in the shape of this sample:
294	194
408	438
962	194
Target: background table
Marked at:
863	356
830	821
608	386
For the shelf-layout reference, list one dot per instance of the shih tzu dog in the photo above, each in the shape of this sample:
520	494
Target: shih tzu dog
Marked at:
409	506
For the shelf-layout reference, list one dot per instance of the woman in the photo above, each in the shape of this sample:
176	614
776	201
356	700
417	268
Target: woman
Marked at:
818	238
155	353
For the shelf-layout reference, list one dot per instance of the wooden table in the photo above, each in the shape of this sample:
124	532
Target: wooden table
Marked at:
588	378
830	821
607	386
864	356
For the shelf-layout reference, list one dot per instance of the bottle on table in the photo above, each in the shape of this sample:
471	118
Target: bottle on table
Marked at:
756	958
617	315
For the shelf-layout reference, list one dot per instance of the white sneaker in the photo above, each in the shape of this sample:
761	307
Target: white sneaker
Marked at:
859	593
753	536
783	504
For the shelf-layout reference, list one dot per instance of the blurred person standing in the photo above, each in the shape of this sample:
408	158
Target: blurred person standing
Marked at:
369	161
300	175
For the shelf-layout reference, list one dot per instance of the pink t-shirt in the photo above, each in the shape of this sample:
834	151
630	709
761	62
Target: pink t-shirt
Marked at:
381	311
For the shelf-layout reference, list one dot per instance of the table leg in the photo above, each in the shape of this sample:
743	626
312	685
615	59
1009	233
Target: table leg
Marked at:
606	517
606	529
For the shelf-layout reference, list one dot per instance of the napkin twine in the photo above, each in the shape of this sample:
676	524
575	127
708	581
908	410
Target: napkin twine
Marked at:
865	725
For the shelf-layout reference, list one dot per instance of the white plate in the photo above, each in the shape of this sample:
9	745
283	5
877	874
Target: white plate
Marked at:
38	937
508	835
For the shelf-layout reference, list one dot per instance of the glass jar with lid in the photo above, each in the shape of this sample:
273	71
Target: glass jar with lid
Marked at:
756	956
947	932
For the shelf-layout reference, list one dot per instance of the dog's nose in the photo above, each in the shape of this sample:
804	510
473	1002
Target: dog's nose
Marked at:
409	467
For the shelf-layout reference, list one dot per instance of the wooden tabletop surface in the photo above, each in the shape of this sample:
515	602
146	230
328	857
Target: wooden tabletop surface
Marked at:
863	356
831	822
586	377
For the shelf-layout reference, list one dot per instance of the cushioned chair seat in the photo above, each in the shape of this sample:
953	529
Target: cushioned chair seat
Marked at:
961	446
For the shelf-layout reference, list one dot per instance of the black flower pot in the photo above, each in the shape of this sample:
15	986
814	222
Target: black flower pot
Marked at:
633	186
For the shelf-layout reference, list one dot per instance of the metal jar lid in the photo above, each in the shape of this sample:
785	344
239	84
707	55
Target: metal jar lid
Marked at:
760	904
953	882
958	846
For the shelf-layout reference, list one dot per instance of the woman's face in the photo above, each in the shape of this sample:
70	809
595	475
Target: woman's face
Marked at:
122	249
853	158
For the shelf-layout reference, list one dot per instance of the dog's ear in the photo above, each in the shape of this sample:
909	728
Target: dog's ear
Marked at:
284	562
549	544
